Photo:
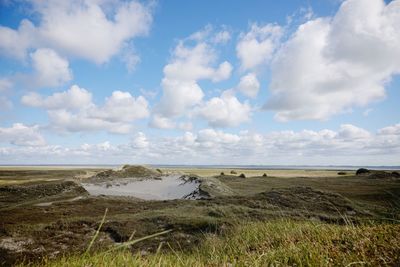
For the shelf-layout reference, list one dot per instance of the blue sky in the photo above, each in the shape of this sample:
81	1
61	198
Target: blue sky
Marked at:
200	82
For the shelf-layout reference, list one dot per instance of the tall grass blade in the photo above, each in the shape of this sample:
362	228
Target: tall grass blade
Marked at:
97	232
130	243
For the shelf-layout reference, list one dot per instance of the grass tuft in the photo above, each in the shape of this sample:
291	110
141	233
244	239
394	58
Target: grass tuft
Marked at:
272	243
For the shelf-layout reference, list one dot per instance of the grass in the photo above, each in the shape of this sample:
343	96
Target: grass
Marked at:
10	175
272	243
207	172
25	174
248	221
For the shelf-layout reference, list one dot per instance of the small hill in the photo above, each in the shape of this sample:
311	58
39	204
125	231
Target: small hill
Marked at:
377	174
33	192
127	171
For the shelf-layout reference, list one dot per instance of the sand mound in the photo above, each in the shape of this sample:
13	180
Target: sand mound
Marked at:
208	187
127	171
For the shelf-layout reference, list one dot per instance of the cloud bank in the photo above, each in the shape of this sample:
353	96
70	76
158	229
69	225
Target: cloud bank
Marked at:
347	144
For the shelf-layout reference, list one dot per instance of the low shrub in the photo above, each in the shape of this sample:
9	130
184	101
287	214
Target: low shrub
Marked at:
362	171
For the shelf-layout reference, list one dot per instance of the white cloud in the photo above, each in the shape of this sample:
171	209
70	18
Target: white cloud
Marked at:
390	130
223	72
74	111
185	126
22	135
88	149
210	137
349	145
14	43
249	85
178	97
330	65
82	28
121	107
5	84
161	122
222	37
195	63
257	46
209	34
65	121
351	132
202	35
74	98
50	70
225	111
140	141
131	59
188	65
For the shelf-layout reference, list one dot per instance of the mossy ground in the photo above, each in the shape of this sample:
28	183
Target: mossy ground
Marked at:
303	221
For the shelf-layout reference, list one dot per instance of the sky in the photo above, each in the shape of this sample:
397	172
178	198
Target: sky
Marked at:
230	82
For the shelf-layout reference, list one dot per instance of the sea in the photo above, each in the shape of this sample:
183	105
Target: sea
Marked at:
252	167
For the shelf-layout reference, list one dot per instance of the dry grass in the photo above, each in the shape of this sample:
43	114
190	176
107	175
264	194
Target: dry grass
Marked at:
28	174
251	172
274	243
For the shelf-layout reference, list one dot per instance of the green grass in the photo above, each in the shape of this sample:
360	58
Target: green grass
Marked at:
272	243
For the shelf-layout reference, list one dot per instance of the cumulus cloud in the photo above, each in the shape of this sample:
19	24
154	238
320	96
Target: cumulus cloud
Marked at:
330	65
249	85
50	70
210	137
188	65
257	46
347	145
74	111
15	43
139	141
74	98
22	135
225	111
390	130
351	132
121	107
161	122
66	121
87	29
195	63
178	97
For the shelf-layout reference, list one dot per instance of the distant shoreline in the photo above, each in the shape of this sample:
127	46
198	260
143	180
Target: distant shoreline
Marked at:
252	167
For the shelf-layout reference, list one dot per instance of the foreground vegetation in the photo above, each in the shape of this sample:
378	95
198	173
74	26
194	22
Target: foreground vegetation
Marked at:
48	218
277	243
